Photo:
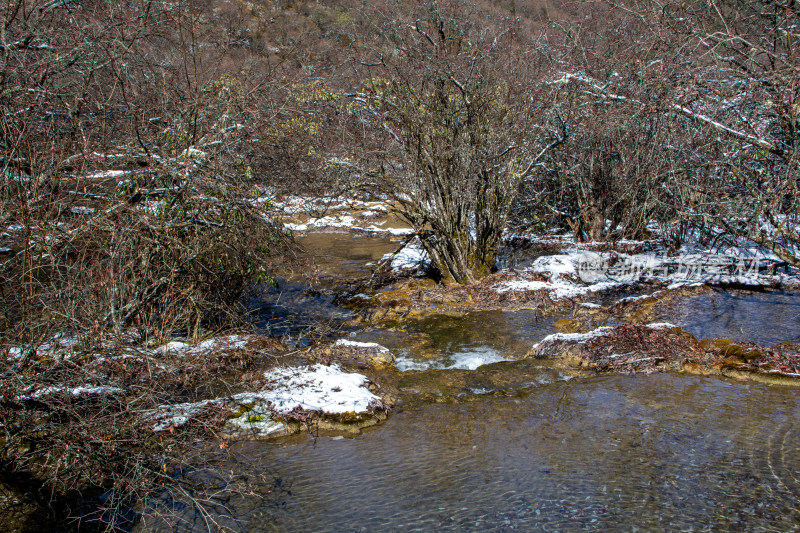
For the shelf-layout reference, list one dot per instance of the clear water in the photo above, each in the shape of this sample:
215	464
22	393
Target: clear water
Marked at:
635	453
338	256
765	318
658	452
465	342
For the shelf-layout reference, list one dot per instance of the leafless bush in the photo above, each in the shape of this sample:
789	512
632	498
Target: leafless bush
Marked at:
129	210
681	114
451	96
78	438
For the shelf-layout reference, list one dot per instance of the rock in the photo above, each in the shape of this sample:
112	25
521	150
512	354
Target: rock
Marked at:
571	325
663	347
256	423
625	348
715	344
370	353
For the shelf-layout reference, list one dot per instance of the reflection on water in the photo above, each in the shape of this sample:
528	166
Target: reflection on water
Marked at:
466	342
658	452
765	318
343	255
293	308
645	452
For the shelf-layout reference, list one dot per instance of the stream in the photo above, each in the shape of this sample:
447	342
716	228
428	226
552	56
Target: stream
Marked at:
657	452
609	452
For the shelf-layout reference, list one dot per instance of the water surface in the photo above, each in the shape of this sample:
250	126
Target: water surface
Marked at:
658	452
765	318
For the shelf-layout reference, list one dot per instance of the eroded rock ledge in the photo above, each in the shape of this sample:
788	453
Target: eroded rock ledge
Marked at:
637	348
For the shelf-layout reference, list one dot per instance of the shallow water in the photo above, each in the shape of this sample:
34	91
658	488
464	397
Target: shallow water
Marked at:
298	306
338	256
293	310
657	452
467	341
765	318
645	452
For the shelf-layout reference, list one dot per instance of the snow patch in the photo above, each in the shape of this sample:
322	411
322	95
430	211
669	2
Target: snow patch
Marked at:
177	415
661	325
107	174
361	345
256	422
411	256
581	271
74	391
316	388
344	222
576	337
595	333
226	343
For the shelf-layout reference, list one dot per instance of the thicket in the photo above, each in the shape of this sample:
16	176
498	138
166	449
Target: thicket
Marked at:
131	135
142	142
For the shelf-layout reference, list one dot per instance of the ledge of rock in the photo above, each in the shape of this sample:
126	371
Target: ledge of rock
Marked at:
366	354
319	396
664	347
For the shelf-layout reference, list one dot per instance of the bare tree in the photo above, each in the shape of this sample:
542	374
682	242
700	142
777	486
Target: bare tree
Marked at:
721	78
455	102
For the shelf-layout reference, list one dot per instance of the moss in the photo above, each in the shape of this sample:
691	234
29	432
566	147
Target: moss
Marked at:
751	355
569	325
715	344
733	351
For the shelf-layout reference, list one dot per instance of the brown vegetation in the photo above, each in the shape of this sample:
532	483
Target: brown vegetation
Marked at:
141	143
635	348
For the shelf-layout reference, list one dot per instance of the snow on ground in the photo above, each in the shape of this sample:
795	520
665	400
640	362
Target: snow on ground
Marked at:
576	337
344	221
176	415
411	256
580	271
602	331
341	218
347	222
74	391
361	345
59	344
316	388
257	422
293	205
77	391
107	174
226	343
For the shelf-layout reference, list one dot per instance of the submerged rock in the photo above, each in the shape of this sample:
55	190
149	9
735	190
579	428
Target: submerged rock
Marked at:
260	422
506	378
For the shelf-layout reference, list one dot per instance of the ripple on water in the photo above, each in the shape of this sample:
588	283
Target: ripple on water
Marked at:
465	342
614	452
765	318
